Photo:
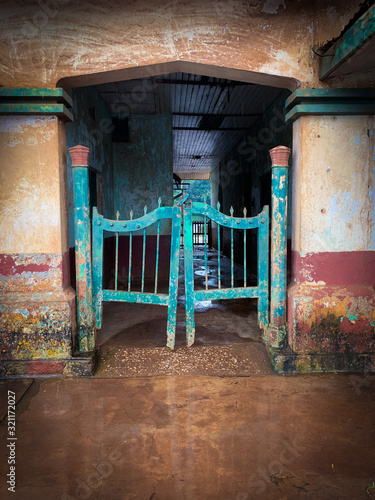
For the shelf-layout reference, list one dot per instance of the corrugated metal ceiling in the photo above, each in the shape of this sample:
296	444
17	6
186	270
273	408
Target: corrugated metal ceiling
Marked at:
210	115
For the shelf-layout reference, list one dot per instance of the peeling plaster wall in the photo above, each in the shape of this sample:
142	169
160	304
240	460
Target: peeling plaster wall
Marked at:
37	306
331	319
31	206
331	302
334	157
272	39
331	18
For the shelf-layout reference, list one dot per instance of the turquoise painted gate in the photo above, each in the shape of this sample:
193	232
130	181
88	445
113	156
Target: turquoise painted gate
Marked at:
128	227
241	224
187	209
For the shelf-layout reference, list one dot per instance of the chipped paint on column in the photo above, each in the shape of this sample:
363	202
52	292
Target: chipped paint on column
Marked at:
82	226
30	197
277	336
173	279
332	319
189	273
333	232
331	301
371	185
334	158
37	327
37	310
32	273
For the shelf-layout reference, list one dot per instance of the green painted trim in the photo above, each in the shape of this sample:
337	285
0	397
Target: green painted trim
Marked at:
329	109
316	95
36	109
349	43
330	102
135	297
226	293
59	94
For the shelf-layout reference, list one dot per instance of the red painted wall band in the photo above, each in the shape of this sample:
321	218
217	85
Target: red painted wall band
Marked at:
334	268
30	270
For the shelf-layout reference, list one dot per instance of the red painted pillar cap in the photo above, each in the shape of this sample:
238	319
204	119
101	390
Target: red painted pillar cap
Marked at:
80	155
280	155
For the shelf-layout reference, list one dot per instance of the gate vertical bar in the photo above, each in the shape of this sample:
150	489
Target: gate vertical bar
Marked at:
130	255
231	253
263	263
205	254
173	277
277	334
157	257
82	234
218	250
116	254
97	266
143	256
189	273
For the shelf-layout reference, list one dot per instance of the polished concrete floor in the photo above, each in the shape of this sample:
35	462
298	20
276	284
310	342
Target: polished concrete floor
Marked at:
185	437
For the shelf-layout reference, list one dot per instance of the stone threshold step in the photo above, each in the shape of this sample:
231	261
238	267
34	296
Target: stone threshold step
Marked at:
226	360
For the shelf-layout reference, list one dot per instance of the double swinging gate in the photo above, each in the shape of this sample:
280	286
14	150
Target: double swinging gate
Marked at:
186	209
89	261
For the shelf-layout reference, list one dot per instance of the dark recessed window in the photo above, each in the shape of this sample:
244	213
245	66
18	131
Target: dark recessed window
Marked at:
92	112
120	132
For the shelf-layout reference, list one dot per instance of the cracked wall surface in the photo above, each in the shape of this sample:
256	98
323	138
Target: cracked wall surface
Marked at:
44	45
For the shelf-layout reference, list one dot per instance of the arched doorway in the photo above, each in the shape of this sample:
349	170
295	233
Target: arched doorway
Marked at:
202	110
